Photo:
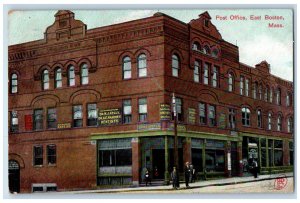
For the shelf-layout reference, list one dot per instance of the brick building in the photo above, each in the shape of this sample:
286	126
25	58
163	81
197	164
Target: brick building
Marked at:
92	107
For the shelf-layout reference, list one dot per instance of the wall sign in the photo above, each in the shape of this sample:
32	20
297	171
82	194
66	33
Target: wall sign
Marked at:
191	115
149	126
64	125
180	127
165	112
110	117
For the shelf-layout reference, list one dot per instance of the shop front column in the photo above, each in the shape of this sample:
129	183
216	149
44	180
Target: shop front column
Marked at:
240	157
228	159
167	175
187	151
286	153
136	159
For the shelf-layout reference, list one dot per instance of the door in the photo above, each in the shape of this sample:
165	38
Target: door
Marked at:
158	163
14	176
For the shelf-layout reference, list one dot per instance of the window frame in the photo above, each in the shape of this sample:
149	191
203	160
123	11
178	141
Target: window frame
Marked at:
197	70
40	156
14	83
215	77
269	127
206	71
91	120
45	80
126	60
279	123
175	57
73	116
51	156
232	118
71	68
51	108
127	118
230	82
142	115
202	119
84	77
142	57
57	71
246	118
35	120
259	118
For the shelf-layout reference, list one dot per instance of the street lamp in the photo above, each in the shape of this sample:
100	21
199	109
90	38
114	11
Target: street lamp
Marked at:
175	132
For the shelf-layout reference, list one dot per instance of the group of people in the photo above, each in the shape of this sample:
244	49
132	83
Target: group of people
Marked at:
189	175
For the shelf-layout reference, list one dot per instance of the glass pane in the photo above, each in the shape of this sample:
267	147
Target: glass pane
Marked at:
127	110
127	65
175	72
72	82
142	72
143	108
127	74
58	83
85	80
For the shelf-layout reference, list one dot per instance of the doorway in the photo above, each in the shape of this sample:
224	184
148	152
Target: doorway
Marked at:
158	163
14	176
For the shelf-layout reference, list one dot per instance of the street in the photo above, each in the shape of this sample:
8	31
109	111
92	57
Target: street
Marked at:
266	186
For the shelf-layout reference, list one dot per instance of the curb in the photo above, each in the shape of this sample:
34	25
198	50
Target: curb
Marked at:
191	187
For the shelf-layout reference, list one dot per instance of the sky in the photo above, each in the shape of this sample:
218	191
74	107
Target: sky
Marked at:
255	39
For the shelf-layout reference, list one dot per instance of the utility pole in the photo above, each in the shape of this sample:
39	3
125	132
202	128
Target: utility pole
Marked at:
175	132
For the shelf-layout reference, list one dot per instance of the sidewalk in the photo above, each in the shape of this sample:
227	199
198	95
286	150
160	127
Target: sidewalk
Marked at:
199	184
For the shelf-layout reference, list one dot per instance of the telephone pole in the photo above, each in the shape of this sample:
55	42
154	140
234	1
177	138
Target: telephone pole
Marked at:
175	132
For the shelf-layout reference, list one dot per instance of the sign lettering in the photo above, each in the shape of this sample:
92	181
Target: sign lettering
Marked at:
110	117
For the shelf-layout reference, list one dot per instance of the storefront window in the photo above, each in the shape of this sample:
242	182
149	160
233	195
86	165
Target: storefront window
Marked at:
278	152
116	157
215	156
263	157
291	149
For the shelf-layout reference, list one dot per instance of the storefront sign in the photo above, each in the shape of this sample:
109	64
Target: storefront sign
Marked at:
215	144
110	117
229	161
180	127
28	122
222	120
191	115
64	125
165	112
149	126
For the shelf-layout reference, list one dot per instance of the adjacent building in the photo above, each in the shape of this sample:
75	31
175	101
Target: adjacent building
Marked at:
93	107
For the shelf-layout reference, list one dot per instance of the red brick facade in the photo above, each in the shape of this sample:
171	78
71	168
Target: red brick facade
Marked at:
68	42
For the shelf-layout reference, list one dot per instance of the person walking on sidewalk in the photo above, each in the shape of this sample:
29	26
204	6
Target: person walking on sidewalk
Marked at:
255	168
187	173
147	177
174	176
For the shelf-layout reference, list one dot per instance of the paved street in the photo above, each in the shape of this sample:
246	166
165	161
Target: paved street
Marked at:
267	186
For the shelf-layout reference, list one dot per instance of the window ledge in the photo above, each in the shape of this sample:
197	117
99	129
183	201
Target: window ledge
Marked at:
37	166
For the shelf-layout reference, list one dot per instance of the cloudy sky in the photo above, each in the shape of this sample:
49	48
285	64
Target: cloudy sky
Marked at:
255	39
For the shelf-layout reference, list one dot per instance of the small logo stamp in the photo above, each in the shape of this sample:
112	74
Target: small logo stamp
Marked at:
280	182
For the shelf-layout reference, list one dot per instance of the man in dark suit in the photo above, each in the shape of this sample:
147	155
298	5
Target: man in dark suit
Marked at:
187	173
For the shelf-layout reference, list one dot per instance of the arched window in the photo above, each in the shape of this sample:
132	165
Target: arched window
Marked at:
196	46
196	71
84	74
255	85
230	82
45	79
206	50
126	67
14	83
290	124
58	78
142	65
266	94
278	97
271	95
279	123
269	121
71	76
175	65
260	92
246	116
215	53
288	99
259	119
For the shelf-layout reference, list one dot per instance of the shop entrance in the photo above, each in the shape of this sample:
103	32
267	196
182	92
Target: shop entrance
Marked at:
14	176
158	163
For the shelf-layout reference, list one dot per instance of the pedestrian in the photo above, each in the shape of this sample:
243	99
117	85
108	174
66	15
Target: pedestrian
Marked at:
156	174
187	173
255	168
147	177
174	177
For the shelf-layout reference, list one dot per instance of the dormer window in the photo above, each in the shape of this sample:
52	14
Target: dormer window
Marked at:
196	46
206	22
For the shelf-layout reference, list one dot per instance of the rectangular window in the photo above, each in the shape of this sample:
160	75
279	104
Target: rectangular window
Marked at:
242	85
196	71
215	76
127	111
271	95
116	157
127	69
202	113
247	87
92	119
260	92
212	115
232	119
77	116
14	122
142	65
58	78
51	118
287	100
205	74
38	119
37	155
259	119
51	154
269	122
254	90
143	109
